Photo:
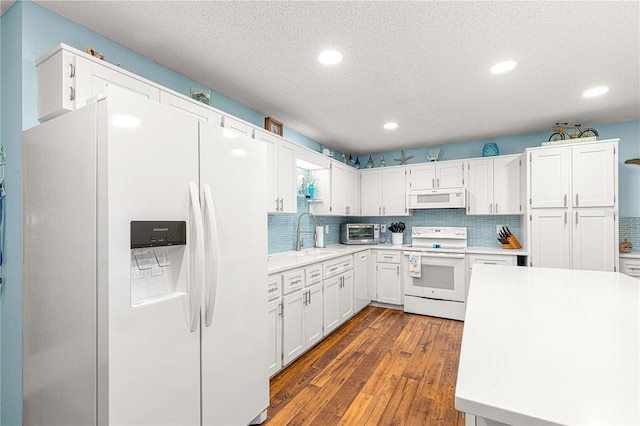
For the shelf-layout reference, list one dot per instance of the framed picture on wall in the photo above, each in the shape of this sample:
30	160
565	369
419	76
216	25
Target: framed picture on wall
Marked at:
201	94
273	125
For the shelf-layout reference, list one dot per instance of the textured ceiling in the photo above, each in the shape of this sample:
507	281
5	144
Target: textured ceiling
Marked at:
5	5
423	64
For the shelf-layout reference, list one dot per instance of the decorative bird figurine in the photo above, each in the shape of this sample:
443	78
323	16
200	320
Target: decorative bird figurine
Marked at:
633	161
404	159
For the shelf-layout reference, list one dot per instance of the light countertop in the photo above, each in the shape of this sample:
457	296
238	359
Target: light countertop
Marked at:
633	255
551	346
495	250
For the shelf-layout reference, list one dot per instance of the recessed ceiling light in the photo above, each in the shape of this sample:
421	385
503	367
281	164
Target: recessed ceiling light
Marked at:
391	125
330	57
503	67
595	91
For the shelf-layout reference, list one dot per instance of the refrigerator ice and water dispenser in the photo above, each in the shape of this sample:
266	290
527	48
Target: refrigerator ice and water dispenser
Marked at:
157	252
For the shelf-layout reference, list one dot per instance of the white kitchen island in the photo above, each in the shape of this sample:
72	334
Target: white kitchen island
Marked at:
550	346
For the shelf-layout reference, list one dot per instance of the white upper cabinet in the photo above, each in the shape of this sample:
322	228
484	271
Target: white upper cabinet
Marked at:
383	192
593	175
319	168
190	107
550	177
281	176
237	126
445	174
494	185
344	190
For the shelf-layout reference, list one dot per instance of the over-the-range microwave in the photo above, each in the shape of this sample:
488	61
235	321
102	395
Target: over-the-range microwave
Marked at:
439	198
359	233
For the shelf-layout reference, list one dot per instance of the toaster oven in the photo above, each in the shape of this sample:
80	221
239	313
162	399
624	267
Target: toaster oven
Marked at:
359	233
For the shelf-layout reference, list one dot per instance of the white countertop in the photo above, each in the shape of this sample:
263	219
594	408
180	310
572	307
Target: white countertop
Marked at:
632	255
496	250
551	346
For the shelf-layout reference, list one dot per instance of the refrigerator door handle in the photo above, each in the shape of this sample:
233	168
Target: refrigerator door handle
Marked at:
196	278
211	255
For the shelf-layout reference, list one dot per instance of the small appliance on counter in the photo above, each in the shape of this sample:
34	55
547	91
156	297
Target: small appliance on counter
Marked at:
359	233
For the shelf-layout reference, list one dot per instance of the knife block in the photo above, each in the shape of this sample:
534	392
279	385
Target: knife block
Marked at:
513	243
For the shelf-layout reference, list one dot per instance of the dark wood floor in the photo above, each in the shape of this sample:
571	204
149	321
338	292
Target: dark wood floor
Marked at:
383	367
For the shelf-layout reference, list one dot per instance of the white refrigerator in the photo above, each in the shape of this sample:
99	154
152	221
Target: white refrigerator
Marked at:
145	263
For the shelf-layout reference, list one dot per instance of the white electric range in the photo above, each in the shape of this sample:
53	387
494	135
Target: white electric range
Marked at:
434	272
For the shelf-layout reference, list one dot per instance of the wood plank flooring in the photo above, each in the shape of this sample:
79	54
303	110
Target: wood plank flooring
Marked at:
383	367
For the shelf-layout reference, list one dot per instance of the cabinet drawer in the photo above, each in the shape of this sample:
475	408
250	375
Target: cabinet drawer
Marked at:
491	259
293	280
274	283
313	274
388	256
337	266
630	267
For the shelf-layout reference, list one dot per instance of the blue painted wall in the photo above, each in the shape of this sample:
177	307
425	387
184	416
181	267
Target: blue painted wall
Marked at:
28	31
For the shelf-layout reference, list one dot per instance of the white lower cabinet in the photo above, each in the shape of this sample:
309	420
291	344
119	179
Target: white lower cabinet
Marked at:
630	265
338	301
488	259
301	316
362	268
274	284
388	277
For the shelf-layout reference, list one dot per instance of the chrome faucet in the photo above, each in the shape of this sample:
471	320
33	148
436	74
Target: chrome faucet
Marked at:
299	242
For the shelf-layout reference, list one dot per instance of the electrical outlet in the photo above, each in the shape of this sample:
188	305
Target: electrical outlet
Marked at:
498	229
383	228
326	229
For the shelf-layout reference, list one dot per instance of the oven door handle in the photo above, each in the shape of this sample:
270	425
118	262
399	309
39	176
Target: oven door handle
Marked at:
437	256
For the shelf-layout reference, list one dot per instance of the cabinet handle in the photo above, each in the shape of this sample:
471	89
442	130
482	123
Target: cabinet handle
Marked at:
398	270
72	71
576	199
634	269
490	207
490	263
438	182
388	257
280	308
565	218
346	265
384	210
333	269
576	218
496	207
309	297
72	93
282	204
379	211
565	200
315	275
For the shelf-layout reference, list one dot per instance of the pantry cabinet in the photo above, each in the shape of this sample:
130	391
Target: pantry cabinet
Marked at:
388	277
572	206
442	174
493	185
384	192
281	173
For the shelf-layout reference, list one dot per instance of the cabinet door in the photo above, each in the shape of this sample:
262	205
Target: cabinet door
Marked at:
594	244
190	107
237	126
551	238
338	190
550	177
389	284
394	192
422	176
352	193
332	303
271	142
103	76
293	332
480	187
450	174
275	337
371	192
506	185
287	177
361	271
593	175
346	297
313	315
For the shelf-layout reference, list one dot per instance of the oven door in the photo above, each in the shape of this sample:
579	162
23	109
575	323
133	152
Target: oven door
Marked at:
442	276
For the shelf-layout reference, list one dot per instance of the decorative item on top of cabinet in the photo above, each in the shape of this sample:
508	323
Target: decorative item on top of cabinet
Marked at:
633	161
490	149
433	154
273	125
403	159
95	54
626	246
201	94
